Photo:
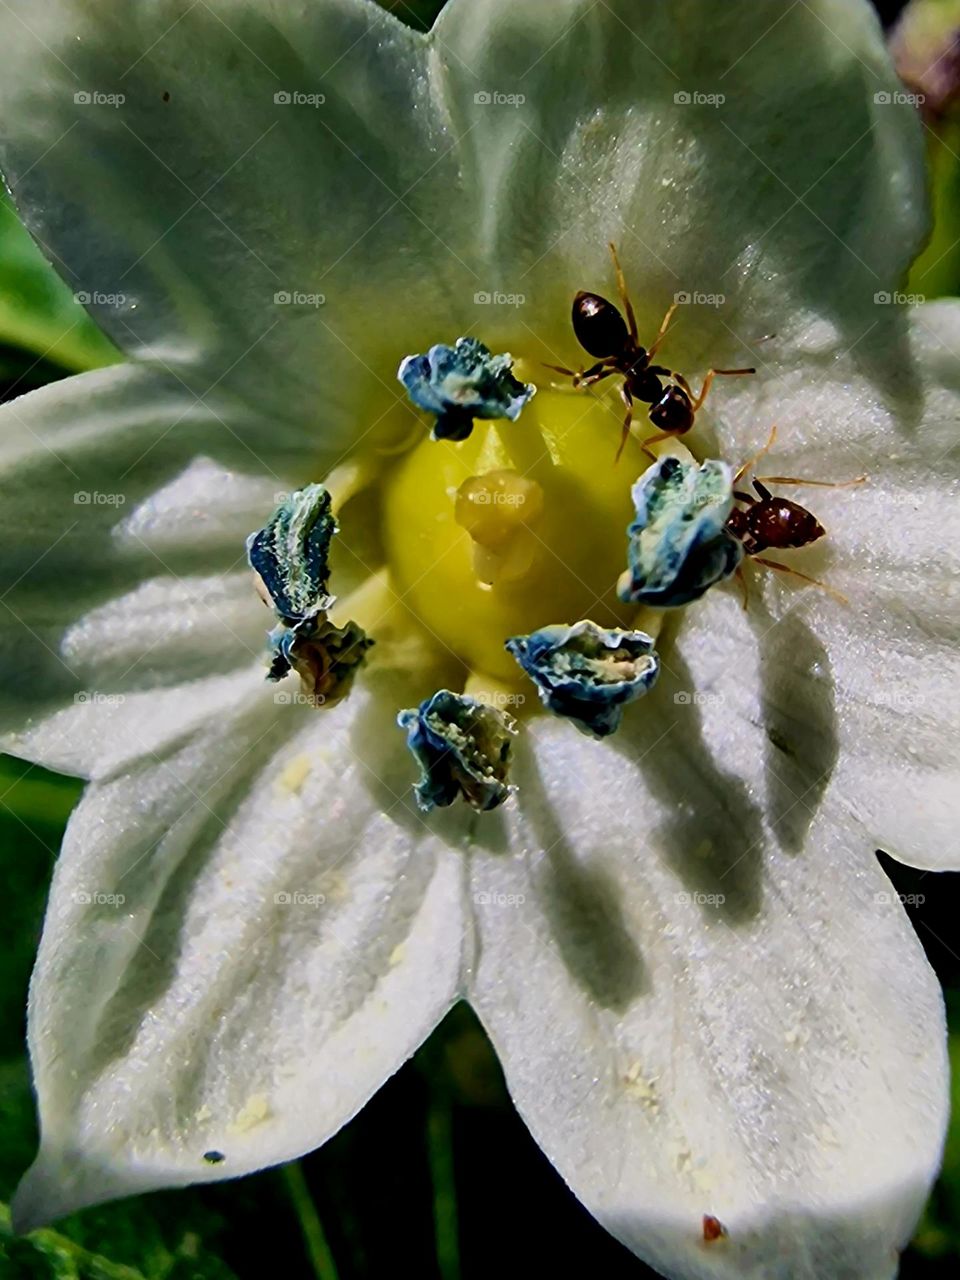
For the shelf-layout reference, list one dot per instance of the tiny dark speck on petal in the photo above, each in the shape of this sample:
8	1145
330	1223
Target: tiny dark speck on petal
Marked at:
214	1157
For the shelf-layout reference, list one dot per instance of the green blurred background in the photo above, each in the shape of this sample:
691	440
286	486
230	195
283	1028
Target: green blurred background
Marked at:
437	1176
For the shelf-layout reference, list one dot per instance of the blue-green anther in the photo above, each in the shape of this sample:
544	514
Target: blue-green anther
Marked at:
463	382
290	553
463	749
291	556
678	544
586	673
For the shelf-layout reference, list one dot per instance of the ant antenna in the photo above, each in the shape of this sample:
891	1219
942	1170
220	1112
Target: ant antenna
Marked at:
752	462
624	293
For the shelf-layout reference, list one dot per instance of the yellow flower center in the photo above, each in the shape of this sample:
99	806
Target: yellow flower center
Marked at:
522	525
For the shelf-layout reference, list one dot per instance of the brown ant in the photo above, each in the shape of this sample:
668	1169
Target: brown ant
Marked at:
713	1229
769	522
603	333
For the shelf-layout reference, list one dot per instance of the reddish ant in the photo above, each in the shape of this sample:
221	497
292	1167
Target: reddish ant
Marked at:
713	1229
769	523
603	333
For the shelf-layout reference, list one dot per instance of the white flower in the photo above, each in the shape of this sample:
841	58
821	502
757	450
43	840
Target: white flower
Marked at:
705	994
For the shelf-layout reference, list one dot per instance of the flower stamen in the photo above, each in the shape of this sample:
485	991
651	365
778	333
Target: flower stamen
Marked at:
459	383
588	674
679	545
463	748
290	556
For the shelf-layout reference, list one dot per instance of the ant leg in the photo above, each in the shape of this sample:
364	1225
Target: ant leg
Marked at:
714	373
822	484
589	378
752	462
627	422
583	377
741	578
657	439
795	573
665	325
624	294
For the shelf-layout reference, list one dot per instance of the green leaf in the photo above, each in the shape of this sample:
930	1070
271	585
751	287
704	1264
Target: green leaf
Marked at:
38	310
936	273
938	1235
48	1253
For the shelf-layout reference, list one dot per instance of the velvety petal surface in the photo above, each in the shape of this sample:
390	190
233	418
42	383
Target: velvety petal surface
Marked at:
126	500
240	189
867	708
694	1019
248	931
267	156
752	152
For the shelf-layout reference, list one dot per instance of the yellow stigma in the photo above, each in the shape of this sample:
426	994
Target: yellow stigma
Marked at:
522	525
500	510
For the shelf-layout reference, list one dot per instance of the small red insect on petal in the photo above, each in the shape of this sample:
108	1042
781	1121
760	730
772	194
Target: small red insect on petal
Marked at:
713	1229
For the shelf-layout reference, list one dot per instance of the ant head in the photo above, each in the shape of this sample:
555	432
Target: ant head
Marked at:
599	327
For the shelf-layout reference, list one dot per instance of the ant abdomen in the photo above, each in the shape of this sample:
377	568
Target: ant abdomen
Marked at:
599	327
778	523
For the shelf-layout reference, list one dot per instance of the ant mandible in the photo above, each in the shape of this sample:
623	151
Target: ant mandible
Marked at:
771	523
603	333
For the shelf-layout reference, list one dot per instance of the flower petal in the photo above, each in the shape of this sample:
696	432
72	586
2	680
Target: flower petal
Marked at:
123	554
271	195
581	123
246	935
886	663
695	1022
